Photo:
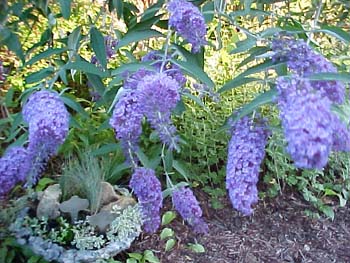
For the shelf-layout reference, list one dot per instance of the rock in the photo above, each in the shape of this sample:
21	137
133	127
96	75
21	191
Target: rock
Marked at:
73	206
121	204
108	194
102	220
49	202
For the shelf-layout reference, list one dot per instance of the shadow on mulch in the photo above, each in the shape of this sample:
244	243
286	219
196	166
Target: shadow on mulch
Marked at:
279	231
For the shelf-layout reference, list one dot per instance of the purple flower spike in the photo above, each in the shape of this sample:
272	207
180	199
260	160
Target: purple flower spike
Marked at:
126	121
14	168
189	22
160	94
48	121
245	153
147	188
304	61
170	69
188	207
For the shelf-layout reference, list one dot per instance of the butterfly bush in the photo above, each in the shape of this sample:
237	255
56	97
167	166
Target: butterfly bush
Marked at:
127	120
14	167
147	94
48	122
160	94
303	61
170	69
307	121
189	22
188	207
246	151
147	188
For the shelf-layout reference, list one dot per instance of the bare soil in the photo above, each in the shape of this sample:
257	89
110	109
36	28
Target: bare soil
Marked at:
279	231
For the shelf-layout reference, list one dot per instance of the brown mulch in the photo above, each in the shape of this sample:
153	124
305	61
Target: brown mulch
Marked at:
279	231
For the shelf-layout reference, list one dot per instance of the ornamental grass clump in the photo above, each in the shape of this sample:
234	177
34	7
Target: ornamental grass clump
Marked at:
188	207
147	188
246	152
188	22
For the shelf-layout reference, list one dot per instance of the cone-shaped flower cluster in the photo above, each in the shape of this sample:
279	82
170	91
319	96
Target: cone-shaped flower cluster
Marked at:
14	167
311	129
149	94
189	22
147	188
303	61
245	153
170	69
188	207
48	121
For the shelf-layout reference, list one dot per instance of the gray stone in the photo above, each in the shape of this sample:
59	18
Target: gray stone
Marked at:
49	202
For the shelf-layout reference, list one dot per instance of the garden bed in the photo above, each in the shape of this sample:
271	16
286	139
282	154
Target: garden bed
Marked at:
279	231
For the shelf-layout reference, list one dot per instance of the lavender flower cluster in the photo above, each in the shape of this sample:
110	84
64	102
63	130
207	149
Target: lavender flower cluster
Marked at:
14	167
150	94
188	207
148	190
110	44
189	22
245	153
311	129
48	122
303	61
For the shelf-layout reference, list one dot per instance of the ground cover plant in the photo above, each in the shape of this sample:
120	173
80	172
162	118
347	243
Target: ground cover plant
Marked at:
115	114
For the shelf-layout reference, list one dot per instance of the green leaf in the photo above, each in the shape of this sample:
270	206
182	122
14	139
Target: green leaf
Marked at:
144	159
253	54
45	54
11	40
168	160
236	82
86	67
131	260
328	211
105	149
330	76
168	217
194	71
268	64
178	166
39	75
137	256
336	32
98	45
73	41
149	256
261	99
244	45
74	105
166	232
197	248
135	36
43	183
170	244
97	83
65	8
131	67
